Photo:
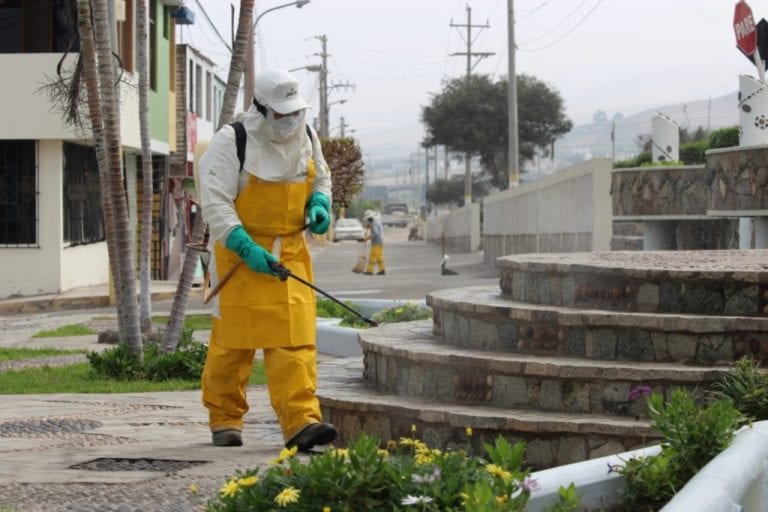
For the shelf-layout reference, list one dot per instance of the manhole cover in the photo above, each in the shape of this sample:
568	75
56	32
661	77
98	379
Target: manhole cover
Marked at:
122	464
46	426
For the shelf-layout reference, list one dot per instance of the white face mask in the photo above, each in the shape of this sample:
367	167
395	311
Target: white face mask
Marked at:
286	126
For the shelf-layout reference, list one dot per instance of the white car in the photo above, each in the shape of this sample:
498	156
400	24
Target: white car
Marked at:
348	229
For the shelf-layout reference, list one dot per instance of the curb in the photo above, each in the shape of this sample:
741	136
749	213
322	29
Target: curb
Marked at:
22	306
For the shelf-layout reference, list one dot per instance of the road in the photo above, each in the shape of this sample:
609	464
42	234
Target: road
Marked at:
413	269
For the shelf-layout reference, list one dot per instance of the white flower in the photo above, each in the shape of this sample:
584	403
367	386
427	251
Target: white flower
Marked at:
415	500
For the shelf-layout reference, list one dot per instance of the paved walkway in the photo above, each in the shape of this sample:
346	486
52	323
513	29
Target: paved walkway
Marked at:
142	451
112	452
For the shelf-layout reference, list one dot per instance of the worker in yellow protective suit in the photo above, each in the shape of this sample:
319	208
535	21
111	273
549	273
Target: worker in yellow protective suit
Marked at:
256	213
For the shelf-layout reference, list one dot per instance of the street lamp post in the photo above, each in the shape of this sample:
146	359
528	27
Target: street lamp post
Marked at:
250	56
327	114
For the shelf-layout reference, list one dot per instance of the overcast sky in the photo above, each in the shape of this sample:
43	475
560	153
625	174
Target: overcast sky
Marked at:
611	55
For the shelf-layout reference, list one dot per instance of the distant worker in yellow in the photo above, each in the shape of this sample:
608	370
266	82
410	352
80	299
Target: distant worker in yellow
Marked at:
376	236
262	182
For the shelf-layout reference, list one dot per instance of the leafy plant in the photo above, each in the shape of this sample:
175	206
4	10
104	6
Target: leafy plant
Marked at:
746	387
65	330
568	500
408	475
401	313
724	137
693	436
186	362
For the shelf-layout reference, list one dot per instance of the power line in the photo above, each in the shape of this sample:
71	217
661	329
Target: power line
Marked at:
210	22
567	17
582	20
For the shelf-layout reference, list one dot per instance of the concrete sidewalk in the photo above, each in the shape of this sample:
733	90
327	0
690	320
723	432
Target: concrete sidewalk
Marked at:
143	451
113	452
122	452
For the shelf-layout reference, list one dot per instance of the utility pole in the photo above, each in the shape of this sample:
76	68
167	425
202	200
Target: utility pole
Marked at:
469	54
323	87
434	159
446	162
343	125
513	149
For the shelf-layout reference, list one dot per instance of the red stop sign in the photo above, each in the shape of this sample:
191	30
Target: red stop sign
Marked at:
744	27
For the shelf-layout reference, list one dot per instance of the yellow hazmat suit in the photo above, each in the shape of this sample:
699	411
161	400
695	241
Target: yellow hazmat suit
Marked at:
255	310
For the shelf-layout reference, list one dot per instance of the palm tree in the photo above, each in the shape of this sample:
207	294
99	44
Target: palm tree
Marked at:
130	331
236	66
91	80
142	38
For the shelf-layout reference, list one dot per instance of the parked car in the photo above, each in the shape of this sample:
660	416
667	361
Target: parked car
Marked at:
348	229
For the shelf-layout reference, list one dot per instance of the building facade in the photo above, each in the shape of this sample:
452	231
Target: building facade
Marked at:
51	225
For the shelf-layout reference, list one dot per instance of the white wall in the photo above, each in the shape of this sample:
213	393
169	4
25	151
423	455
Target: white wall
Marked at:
573	202
84	265
460	227
37	270
28	114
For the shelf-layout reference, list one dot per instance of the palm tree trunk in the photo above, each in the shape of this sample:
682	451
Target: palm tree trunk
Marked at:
142	38
130	331
91	80
236	66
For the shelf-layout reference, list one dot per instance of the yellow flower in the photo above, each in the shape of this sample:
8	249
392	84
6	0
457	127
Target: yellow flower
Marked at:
287	496
228	489
341	453
501	500
247	481
192	488
391	444
326	509
285	453
499	472
469	431
384	453
413	428
407	441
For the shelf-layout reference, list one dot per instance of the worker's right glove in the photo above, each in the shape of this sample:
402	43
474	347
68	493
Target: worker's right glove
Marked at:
255	256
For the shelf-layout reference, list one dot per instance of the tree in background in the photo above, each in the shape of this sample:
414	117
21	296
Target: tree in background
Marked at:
451	191
470	116
346	162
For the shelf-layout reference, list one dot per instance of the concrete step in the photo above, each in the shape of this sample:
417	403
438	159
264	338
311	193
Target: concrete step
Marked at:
728	282
404	359
482	318
552	438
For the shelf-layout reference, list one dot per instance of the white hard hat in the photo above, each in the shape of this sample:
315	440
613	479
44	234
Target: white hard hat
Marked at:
368	214
278	90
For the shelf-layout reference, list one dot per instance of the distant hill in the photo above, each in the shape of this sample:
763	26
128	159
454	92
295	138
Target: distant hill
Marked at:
594	140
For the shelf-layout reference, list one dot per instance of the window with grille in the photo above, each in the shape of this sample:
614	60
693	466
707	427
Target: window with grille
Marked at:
83	219
18	193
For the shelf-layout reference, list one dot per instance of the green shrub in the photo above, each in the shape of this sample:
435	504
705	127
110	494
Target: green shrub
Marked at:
724	137
637	161
693	436
693	153
186	362
746	387
405	312
408	475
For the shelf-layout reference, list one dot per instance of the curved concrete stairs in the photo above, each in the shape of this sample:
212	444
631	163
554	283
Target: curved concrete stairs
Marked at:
559	355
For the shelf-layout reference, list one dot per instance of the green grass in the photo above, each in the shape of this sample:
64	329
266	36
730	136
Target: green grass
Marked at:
79	379
65	330
18	354
194	322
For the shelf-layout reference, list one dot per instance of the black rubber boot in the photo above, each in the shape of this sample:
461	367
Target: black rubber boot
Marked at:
229	437
313	435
